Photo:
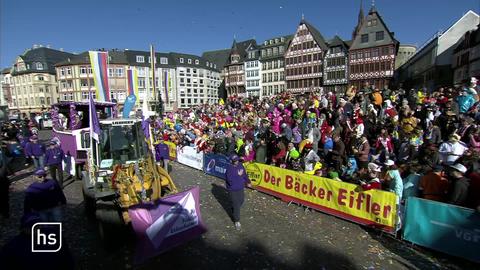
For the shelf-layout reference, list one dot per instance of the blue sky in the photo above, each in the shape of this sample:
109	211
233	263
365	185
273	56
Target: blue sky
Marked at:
194	26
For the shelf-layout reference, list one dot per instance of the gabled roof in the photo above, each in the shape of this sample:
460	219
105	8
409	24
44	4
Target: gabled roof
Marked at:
317	36
338	41
371	31
131	58
46	56
218	57
241	49
469	39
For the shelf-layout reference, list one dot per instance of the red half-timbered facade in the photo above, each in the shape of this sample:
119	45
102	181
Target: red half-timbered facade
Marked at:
304	60
372	53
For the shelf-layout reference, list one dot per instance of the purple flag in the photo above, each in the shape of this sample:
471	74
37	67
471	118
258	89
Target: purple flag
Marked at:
166	223
94	124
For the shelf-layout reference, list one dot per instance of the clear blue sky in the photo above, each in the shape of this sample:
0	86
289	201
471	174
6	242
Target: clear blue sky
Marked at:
194	26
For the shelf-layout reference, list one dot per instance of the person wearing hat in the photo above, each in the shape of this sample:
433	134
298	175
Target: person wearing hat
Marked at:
452	150
53	161
434	186
36	151
45	198
236	180
461	185
310	158
396	182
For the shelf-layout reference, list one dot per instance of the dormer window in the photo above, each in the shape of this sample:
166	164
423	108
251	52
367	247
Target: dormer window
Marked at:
140	59
189	61
235	58
197	62
181	60
265	43
164	60
39	66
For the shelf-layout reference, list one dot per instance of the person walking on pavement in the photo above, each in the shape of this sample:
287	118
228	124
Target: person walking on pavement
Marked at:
237	179
45	198
36	151
53	162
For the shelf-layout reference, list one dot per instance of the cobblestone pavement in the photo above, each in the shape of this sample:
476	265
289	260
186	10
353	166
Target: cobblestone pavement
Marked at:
274	235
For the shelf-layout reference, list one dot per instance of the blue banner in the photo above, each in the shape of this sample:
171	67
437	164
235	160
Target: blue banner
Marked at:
216	165
128	105
443	227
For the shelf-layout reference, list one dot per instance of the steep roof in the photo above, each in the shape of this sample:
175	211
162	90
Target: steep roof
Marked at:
218	57
371	31
317	36
470	39
46	56
5	71
338	41
241	49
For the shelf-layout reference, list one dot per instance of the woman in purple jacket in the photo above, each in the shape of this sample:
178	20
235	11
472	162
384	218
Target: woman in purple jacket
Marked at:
236	181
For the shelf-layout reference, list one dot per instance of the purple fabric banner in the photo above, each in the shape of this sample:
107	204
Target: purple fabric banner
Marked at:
169	222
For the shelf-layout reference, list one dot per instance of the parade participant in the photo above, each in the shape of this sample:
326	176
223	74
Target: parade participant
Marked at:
461	184
236	180
45	198
53	161
36	151
434	186
162	154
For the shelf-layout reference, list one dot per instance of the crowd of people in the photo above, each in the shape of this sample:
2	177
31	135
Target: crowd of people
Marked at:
413	143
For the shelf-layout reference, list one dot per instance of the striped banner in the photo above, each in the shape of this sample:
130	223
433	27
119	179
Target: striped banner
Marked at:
99	63
132	77
167	83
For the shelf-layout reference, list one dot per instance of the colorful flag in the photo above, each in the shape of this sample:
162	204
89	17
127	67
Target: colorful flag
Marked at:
169	222
94	123
132	77
99	63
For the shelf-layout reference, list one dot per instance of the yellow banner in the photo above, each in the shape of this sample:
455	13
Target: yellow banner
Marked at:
373	208
172	150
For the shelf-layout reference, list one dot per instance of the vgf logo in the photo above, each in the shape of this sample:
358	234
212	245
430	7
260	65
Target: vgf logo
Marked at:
46	237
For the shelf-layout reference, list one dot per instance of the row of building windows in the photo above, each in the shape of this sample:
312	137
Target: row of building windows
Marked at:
39	89
252	64
275	51
274	41
305	83
303	58
373	52
379	35
304	46
235	68
304	70
38	101
335	75
272	89
26	79
337	61
371	67
252	73
231	79
273	64
273	77
253	83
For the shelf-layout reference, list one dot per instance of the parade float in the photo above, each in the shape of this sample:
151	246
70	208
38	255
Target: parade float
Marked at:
118	171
